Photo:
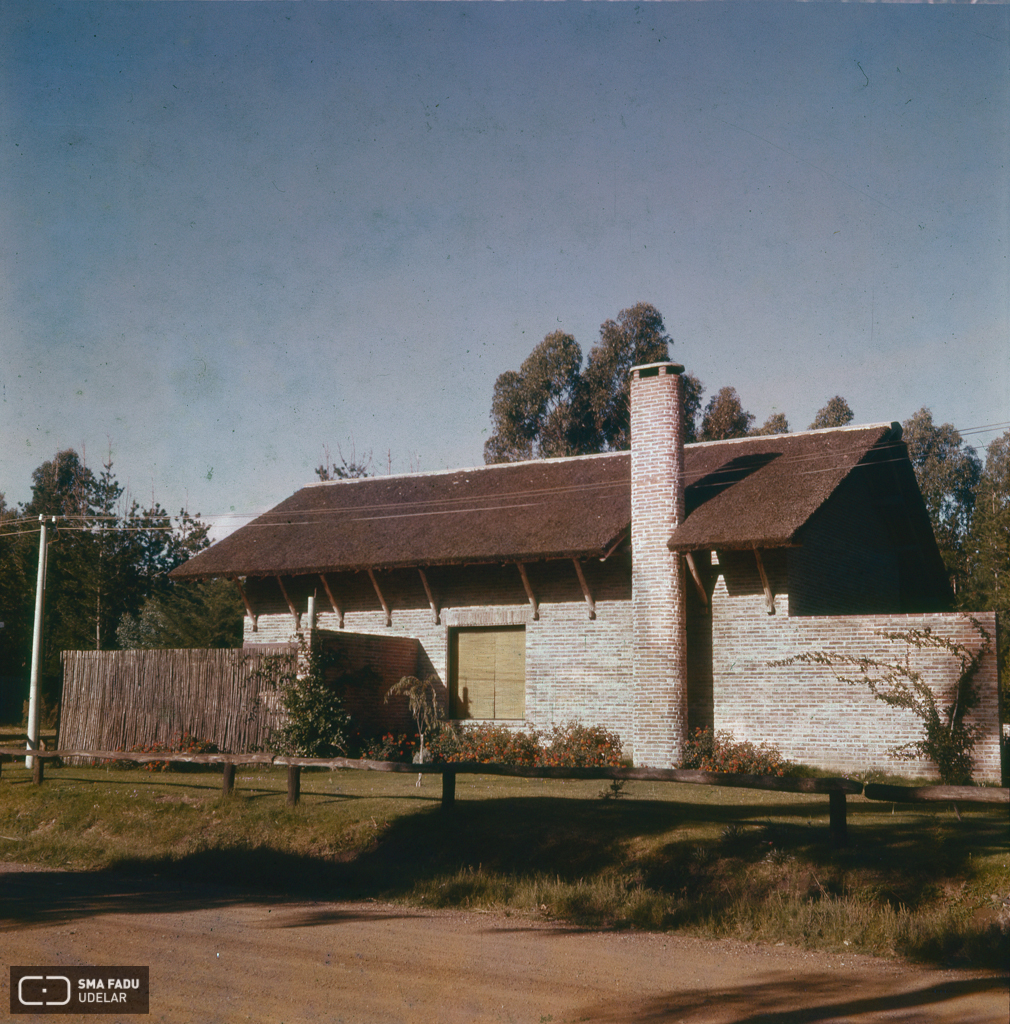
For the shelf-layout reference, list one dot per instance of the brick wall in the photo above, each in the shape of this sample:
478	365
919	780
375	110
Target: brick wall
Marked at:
576	667
807	712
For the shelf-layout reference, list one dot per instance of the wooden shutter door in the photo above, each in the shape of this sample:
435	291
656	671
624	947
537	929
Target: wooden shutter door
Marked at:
488	669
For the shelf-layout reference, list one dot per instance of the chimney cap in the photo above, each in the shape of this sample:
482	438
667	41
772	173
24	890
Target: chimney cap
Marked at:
655	369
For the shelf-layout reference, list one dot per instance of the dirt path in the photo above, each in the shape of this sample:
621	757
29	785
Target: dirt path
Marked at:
221	956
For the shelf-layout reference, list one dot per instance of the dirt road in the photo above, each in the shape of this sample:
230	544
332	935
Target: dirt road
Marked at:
222	956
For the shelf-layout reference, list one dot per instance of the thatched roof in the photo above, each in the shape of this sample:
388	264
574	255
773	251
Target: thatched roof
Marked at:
523	511
763	490
756	491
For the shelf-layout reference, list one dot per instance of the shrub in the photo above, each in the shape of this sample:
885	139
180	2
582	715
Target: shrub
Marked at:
565	746
316	724
582	746
391	747
485	744
710	751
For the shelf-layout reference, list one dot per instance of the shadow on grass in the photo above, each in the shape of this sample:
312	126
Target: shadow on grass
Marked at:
695	862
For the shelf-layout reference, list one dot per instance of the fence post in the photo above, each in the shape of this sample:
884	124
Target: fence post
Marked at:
294	784
228	779
38	772
448	790
838	827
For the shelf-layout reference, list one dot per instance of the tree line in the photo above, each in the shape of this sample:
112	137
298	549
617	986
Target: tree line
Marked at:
107	576
557	404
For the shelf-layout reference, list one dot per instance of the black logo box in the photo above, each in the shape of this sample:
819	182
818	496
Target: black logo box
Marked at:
80	990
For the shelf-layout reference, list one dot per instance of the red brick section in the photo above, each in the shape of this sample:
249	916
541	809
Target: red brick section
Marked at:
379	662
659	657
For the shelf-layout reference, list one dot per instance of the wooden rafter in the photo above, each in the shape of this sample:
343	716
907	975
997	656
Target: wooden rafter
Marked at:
696	576
613	547
382	600
333	601
248	605
294	611
431	596
529	590
585	588
769	596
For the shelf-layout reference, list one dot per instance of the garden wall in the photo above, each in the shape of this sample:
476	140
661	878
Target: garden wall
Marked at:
816	719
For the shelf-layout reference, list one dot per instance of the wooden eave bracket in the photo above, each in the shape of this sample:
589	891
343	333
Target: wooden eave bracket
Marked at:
696	576
529	591
622	537
248	606
431	596
333	601
294	611
585	588
382	600
769	596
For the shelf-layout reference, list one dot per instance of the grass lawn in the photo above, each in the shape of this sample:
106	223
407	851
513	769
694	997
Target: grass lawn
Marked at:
708	861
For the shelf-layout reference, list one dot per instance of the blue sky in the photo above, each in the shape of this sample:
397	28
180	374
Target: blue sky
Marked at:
233	234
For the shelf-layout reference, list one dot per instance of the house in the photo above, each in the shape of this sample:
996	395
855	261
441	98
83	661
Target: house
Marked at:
648	591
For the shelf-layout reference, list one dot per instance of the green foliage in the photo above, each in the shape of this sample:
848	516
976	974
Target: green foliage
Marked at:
710	751
988	548
551	407
389	747
107	556
637	337
564	746
775	424
49	712
581	746
316	724
725	417
835	414
422	699
694	391
948	472
948	740
202	614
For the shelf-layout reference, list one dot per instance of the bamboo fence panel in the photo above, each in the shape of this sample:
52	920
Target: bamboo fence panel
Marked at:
119	700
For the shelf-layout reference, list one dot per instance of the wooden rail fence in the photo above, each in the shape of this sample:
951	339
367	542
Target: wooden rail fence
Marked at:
836	789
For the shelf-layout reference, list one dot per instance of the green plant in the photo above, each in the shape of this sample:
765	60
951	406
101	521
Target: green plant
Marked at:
316	724
485	744
389	747
948	740
581	746
49	712
422	699
710	751
566	746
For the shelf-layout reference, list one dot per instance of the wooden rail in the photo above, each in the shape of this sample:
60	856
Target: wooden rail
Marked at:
936	794
836	788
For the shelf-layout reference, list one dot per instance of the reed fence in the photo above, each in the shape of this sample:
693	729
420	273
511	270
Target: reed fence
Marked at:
120	699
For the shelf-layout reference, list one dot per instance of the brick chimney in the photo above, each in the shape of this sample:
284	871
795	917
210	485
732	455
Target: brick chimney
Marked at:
659	718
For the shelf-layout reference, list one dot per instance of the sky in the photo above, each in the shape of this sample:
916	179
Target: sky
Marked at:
237	235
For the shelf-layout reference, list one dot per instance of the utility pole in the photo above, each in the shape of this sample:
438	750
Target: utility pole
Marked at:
33	686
